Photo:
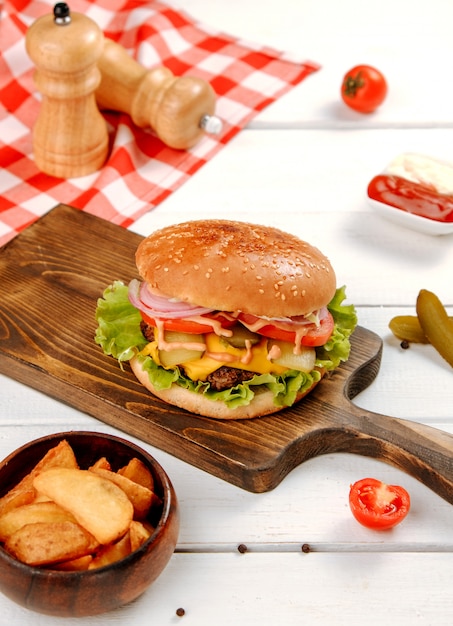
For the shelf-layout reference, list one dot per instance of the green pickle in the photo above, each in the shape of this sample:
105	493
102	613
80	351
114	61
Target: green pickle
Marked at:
436	324
241	335
407	328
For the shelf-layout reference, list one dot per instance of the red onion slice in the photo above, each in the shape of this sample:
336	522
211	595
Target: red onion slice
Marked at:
160	307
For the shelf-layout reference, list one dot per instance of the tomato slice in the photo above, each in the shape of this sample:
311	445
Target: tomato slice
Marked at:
190	326
377	505
315	335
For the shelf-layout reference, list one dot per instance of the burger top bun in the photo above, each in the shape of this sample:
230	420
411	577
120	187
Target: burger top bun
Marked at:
236	266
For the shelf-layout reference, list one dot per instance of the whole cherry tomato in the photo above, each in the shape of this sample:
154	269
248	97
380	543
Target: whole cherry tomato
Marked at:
364	88
377	505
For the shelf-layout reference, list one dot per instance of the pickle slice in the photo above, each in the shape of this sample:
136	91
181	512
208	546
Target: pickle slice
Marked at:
407	328
240	335
436	324
303	361
184	348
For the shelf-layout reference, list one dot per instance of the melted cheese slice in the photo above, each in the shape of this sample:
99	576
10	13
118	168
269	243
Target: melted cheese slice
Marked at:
218	353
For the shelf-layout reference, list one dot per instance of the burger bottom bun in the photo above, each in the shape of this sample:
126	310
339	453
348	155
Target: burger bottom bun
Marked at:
261	405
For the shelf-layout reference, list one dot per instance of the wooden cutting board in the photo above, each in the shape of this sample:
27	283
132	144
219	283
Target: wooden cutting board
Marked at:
52	275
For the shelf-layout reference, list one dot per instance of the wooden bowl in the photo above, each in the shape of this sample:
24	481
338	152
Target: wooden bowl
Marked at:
90	592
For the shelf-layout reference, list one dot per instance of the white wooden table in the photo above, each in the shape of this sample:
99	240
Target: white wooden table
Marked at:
303	165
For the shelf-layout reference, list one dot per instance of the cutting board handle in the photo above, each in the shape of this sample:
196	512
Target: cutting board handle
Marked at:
424	452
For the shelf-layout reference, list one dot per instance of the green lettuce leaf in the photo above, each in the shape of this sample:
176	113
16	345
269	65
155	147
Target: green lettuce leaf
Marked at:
119	335
337	349
118	332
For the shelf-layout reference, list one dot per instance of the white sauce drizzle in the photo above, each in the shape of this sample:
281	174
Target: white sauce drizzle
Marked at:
248	354
216	325
274	353
300	332
176	345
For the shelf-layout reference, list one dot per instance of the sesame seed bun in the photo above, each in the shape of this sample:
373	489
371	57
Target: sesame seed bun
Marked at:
261	405
236	266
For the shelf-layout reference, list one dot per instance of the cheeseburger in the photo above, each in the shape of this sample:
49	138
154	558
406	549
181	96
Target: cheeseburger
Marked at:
228	320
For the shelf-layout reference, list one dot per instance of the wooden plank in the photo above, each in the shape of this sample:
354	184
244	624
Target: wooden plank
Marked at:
53	274
315	589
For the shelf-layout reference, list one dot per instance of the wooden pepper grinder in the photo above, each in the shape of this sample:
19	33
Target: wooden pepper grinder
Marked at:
70	136
179	110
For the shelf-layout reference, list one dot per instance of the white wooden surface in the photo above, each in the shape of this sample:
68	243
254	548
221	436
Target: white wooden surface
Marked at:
303	165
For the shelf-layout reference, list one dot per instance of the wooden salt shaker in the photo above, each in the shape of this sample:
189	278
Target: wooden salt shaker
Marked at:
179	109
70	137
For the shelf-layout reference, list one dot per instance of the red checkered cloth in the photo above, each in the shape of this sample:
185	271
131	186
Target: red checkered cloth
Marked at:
141	170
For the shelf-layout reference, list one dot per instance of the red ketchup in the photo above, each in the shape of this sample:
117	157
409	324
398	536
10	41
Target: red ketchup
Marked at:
422	200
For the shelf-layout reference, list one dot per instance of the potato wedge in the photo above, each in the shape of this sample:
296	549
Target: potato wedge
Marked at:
113	552
140	497
32	513
60	455
74	565
101	463
16	498
99	505
44	543
40	497
138	534
137	471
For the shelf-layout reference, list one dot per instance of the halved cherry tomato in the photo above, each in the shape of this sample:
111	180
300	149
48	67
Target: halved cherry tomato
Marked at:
364	88
316	335
189	326
377	505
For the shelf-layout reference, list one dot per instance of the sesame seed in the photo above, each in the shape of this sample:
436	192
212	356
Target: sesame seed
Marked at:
165	269
261	291
196	267
259	278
